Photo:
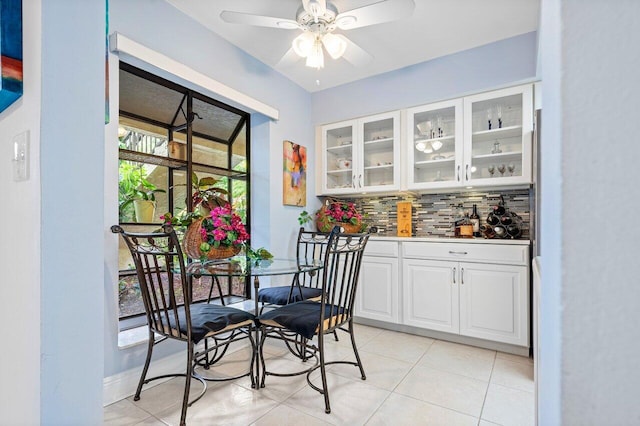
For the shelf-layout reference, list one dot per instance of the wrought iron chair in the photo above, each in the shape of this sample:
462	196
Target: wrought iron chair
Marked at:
334	311
311	247
166	294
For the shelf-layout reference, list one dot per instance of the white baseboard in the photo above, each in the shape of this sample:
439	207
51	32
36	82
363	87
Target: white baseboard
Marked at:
123	385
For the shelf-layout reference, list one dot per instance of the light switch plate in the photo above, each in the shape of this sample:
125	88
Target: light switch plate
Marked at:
21	156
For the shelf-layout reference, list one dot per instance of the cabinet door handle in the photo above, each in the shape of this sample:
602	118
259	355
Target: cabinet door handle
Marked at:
462	276
360	180
458	174
466	172
353	181
457	252
454	275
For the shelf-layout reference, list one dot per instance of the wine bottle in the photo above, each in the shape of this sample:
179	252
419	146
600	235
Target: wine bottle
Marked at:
475	221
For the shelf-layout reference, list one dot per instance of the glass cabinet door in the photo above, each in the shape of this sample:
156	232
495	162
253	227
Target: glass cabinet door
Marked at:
435	148
498	128
338	142
379	163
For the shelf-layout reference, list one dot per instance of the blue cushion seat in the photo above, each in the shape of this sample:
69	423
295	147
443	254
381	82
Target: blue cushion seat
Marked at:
302	317
280	295
209	319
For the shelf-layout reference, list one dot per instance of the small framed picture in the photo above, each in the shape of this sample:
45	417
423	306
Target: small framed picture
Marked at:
294	174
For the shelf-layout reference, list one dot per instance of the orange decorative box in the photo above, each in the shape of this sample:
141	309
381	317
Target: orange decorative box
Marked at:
404	218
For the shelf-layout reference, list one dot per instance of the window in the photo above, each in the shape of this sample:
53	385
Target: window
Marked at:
168	133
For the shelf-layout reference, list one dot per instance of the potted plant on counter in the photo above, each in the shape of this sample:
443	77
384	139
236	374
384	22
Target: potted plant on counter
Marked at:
335	212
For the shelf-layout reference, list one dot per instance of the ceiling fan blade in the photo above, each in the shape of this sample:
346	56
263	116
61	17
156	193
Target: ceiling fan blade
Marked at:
376	13
258	20
289	58
355	54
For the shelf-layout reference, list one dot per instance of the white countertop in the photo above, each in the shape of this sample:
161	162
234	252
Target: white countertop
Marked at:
452	240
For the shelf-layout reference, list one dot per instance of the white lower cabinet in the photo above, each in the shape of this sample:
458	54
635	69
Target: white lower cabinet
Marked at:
377	296
474	290
475	299
494	302
430	295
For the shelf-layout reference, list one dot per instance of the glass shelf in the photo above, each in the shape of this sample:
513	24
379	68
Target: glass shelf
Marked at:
497	156
494	134
442	139
383	166
340	149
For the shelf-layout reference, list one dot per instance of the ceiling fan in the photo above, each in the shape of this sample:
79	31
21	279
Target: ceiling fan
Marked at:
318	19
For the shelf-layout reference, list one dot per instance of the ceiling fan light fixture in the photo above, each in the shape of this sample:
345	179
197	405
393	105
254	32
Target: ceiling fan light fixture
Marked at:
335	45
315	59
303	44
344	22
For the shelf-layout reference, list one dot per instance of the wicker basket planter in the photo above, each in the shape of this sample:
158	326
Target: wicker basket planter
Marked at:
193	239
349	228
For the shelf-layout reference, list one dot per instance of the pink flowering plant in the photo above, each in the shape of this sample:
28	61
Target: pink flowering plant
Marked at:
338	212
222	228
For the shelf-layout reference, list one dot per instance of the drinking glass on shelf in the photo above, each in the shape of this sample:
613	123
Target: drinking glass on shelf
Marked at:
491	169
496	148
512	168
499	113
489	117
502	168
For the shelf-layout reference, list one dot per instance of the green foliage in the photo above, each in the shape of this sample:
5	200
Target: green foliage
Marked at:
133	185
304	218
257	255
207	192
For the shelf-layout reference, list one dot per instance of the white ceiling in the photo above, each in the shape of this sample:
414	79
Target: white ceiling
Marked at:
436	28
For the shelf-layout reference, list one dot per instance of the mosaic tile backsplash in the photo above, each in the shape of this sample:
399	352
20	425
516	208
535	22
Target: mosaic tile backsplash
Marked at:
433	215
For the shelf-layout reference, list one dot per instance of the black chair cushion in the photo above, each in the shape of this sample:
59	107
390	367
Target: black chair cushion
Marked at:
206	318
280	295
301	317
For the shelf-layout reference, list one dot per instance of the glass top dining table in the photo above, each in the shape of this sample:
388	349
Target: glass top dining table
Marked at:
240	266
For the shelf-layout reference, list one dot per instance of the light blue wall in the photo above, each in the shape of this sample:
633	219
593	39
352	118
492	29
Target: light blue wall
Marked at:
497	64
72	180
164	29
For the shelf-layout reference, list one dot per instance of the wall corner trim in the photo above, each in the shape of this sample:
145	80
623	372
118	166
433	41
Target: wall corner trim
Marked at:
123	45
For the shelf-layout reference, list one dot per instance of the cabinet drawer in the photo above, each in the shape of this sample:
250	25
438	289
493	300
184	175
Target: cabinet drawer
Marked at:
381	248
489	253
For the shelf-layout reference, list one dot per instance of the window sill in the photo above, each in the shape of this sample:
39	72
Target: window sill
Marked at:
133	337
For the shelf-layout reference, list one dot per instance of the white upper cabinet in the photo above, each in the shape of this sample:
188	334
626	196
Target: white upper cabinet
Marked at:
480	140
435	145
361	155
498	129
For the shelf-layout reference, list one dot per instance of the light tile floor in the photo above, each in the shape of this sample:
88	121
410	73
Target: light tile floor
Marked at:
410	380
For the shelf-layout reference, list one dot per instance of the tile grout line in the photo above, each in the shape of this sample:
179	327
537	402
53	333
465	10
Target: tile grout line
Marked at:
484	401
